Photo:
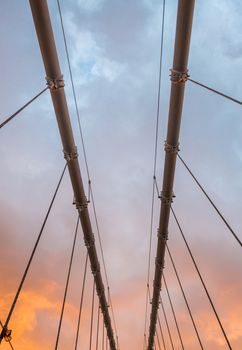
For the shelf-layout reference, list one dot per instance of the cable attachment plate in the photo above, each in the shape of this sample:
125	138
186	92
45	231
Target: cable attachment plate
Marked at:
96	270
167	200
160	265
178	77
174	149
81	205
163	236
55	83
69	156
6	334
89	242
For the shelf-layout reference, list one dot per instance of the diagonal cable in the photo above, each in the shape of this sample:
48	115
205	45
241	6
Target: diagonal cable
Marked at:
92	312
173	312
81	302
8	341
66	287
185	298
201	279
98	318
31	256
215	91
210	200
85	156
167	324
155	162
6	121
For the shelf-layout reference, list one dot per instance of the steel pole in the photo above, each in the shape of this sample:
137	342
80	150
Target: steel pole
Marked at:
179	76
55	83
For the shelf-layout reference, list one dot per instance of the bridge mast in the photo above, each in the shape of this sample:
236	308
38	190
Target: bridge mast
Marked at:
179	75
55	83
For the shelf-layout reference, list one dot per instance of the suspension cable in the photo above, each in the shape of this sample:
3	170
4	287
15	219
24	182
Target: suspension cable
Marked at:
85	157
5	327
66	287
81	302
103	337
201	279
98	317
173	312
161	332
158	340
22	108
210	200
8	340
91	327
155	162
167	324
184	296
215	91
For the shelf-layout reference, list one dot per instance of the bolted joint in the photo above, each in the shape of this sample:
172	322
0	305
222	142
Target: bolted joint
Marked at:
69	156
89	243
96	270
81	205
167	200
178	77
6	334
162	236
159	264
55	83
173	149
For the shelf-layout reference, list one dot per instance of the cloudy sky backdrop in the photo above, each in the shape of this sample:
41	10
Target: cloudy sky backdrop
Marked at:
114	50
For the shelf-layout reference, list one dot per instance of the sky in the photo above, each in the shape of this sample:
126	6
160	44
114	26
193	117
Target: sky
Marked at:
114	50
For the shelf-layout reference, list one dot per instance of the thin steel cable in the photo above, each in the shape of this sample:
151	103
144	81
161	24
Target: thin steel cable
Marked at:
81	302
158	340
161	332
185	298
201	279
103	337
155	162
85	154
22	108
66	286
10	344
98	317
210	200
91	327
33	253
173	313
73	88
215	91
167	324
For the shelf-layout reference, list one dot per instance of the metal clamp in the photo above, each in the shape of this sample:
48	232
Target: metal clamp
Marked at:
81	205
90	241
70	155
96	271
6	334
163	236
55	83
167	200
178	77
161	265
174	149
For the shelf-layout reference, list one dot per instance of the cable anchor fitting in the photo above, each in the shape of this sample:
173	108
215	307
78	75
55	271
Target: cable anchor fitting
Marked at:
81	205
160	265
163	236
178	77
166	200
55	83
89	242
174	149
6	334
69	156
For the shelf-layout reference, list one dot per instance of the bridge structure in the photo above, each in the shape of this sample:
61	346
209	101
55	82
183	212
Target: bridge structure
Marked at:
158	333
